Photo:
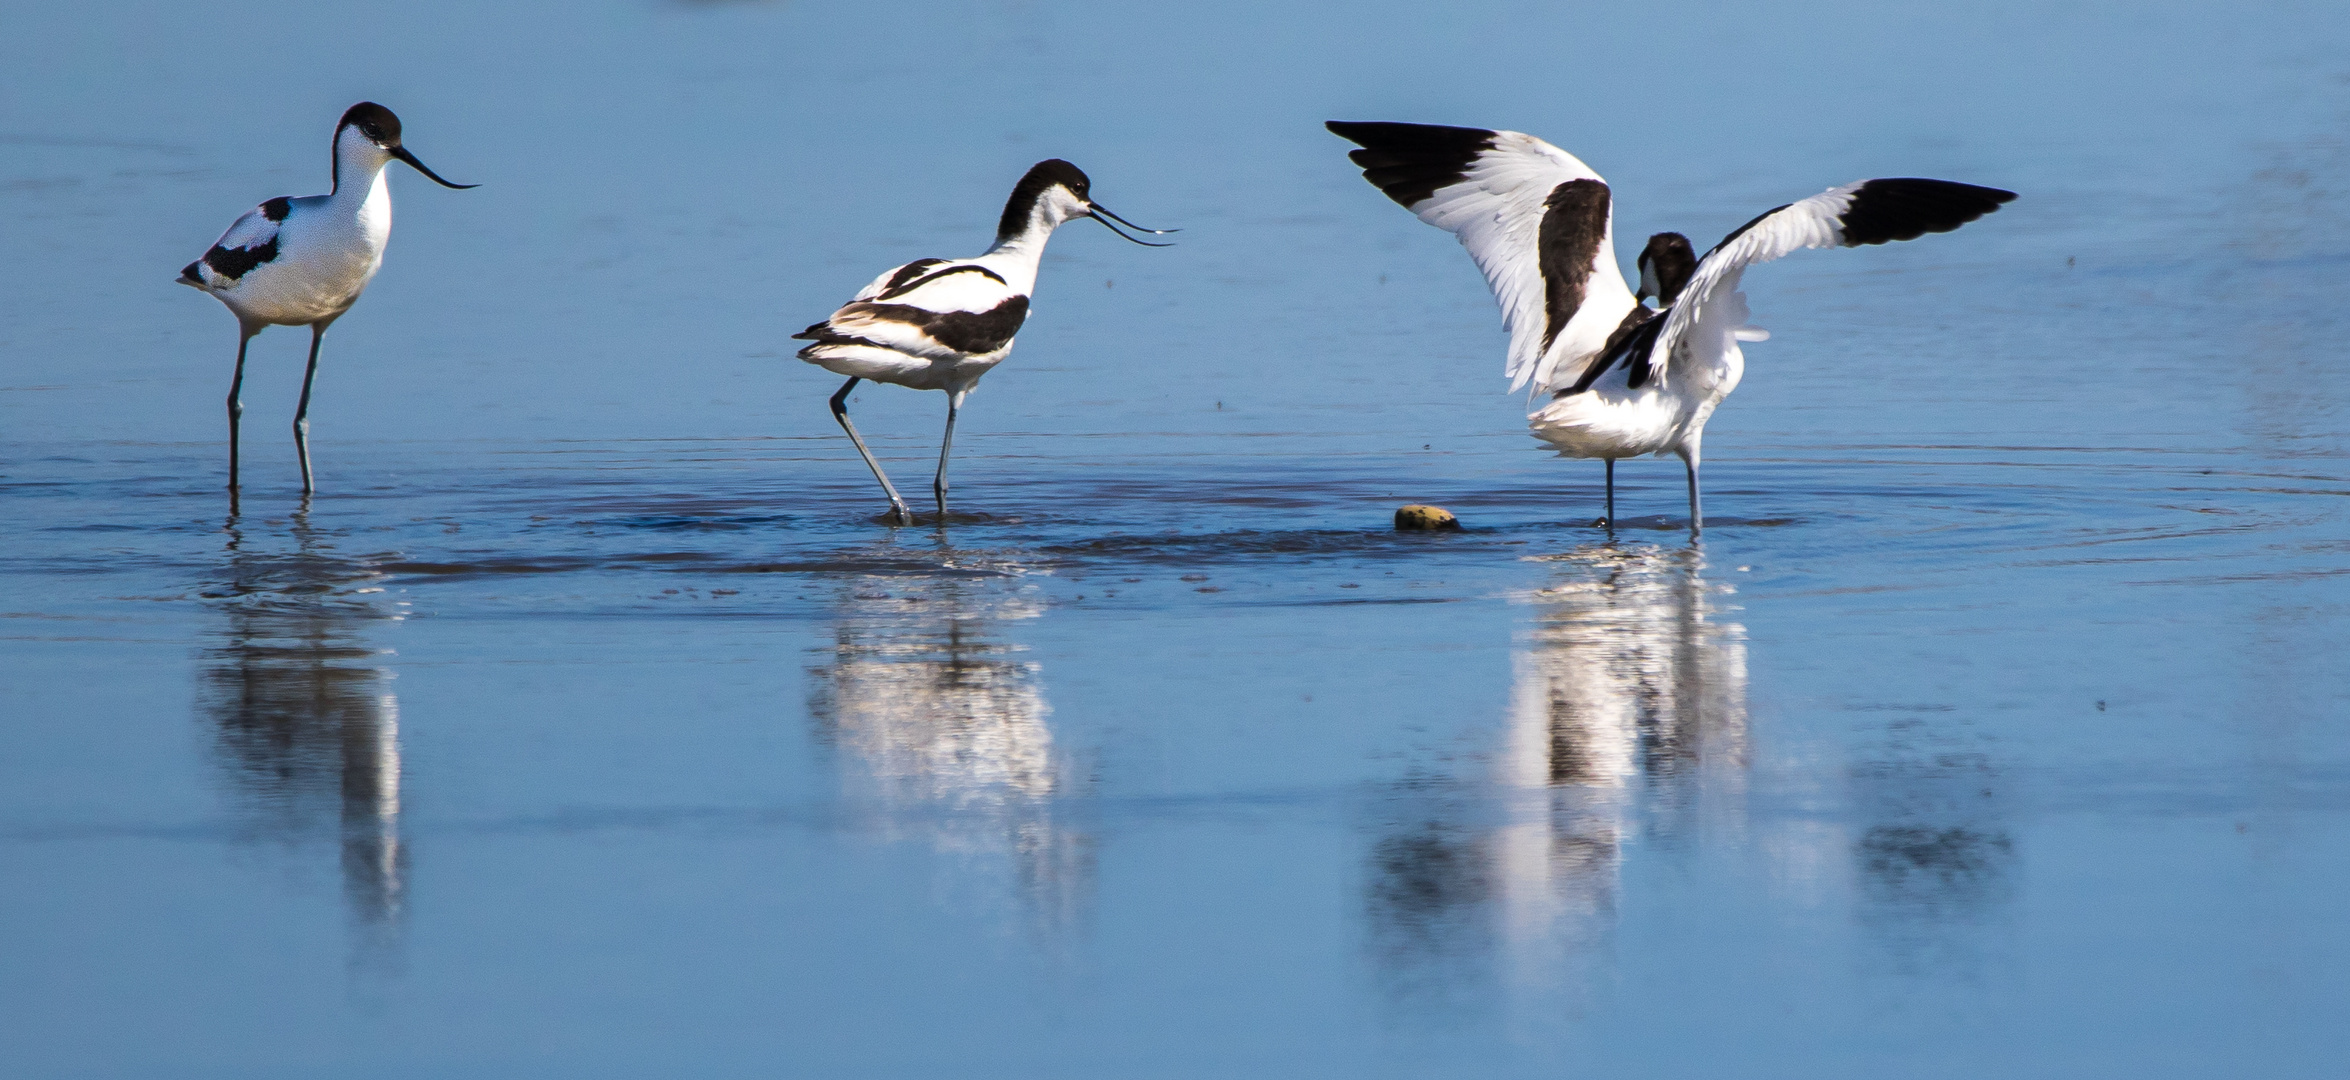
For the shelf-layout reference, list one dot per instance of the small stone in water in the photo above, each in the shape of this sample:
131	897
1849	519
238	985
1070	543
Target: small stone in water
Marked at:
1417	516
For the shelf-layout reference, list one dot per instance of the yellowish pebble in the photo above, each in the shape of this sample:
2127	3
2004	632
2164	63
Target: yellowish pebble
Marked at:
1417	516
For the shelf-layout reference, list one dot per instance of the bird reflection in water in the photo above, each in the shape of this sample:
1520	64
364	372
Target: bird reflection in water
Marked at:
1628	712
943	722
304	719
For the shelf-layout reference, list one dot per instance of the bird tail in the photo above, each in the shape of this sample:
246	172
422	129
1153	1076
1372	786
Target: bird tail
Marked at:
1592	424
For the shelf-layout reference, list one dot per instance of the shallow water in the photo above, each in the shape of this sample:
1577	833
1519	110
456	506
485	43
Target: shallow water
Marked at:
591	723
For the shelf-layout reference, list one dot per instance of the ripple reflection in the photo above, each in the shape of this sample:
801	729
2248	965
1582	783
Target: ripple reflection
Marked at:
1935	856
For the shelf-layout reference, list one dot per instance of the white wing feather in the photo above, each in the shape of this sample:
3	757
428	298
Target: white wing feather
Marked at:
1497	214
962	290
1711	311
889	334
250	231
881	284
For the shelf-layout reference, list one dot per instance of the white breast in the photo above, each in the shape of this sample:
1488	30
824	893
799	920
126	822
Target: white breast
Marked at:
329	248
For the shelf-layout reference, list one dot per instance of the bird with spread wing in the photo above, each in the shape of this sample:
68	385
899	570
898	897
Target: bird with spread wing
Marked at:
1622	378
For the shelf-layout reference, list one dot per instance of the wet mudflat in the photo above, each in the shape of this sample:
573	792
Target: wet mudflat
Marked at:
590	723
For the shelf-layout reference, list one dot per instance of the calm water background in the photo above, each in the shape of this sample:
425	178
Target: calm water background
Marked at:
589	724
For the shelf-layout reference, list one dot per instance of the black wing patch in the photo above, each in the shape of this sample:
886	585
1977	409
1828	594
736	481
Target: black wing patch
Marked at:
233	263
276	209
1905	208
824	335
1410	162
1574	221
1639	346
909	272
1633	340
902	283
972	333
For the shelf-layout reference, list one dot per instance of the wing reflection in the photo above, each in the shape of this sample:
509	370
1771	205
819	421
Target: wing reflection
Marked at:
306	724
945	721
1628	712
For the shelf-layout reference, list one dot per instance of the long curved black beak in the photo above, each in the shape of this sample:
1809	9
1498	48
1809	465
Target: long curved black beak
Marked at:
402	153
1102	214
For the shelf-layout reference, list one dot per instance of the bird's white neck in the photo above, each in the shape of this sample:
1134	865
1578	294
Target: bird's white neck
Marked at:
1015	256
359	166
363	190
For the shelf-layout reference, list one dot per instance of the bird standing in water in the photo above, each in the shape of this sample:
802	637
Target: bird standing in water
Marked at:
304	262
1625	379
939	324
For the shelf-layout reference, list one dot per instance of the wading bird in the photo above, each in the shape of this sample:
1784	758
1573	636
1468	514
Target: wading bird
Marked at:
304	262
1624	379
937	324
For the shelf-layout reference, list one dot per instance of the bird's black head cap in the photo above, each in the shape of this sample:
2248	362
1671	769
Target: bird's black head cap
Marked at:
1042	177
1665	267
373	121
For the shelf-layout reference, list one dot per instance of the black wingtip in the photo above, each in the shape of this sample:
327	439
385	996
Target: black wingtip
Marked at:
1373	132
1410	162
1907	207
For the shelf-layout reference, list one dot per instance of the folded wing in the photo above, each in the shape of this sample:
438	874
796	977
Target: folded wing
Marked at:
1868	212
1537	221
249	242
929	309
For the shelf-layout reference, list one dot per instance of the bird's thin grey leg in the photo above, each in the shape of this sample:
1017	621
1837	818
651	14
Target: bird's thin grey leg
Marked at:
840	412
1611	493
236	406
302	410
938	486
1696	512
